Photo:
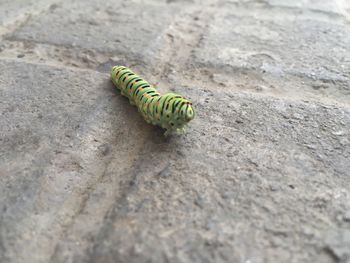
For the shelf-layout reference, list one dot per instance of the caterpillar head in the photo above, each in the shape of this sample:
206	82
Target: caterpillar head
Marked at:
179	112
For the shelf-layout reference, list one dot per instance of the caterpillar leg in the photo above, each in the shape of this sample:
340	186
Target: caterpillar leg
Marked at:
177	131
147	120
145	117
167	133
181	130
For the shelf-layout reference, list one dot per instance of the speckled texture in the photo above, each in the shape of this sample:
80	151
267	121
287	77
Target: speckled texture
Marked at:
262	174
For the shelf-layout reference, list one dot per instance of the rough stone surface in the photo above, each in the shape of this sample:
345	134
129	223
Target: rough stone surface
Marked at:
281	43
262	174
11	10
121	28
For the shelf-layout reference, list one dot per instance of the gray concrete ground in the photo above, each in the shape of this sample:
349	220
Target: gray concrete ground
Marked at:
262	174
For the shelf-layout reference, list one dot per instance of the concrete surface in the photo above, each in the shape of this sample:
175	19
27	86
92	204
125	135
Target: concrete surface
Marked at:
262	174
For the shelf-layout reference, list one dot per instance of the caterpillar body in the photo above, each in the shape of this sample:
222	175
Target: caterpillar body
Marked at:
170	111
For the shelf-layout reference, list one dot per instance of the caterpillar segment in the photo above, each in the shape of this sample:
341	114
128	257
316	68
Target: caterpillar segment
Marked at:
170	111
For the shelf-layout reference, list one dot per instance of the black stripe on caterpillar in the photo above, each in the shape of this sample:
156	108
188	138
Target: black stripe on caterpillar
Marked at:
170	111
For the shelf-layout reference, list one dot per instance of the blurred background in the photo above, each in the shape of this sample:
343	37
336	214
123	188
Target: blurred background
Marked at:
261	175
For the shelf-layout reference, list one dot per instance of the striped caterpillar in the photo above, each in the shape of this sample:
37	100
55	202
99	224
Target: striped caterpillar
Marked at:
170	111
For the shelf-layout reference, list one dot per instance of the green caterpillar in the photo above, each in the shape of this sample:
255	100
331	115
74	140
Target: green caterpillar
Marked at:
170	111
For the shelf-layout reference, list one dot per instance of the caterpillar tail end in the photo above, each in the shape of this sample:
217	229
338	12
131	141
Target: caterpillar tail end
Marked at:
113	74
113	70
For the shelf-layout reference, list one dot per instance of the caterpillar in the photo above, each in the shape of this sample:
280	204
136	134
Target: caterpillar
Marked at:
170	111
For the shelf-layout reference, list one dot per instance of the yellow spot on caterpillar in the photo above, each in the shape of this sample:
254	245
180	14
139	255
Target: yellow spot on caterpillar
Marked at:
149	105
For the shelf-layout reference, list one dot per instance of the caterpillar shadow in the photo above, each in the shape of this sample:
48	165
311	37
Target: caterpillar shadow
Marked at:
157	133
